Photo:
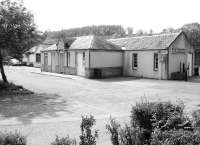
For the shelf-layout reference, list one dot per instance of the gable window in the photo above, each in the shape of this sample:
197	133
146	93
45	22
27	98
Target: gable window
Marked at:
155	61
68	59
83	58
38	57
134	60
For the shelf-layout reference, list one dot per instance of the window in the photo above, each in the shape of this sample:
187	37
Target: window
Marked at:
135	60
83	58
66	46
68	59
38	57
155	61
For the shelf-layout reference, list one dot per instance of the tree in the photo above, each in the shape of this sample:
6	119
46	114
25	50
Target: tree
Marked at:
87	136
140	32
150	32
17	31
130	31
192	31
169	30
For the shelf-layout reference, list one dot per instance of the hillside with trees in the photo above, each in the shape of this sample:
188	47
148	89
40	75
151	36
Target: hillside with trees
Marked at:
113	31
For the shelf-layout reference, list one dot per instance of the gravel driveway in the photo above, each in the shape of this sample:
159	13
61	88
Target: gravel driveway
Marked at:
62	100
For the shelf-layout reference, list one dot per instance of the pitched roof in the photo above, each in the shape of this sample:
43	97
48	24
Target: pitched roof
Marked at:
83	42
93	42
37	49
50	41
161	41
51	47
122	42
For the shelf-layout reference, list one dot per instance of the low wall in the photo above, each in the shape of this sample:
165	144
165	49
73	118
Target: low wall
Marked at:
104	72
70	70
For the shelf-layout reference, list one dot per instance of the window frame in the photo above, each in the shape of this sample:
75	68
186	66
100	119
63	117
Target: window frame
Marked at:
83	59
155	62
68	59
36	58
134	61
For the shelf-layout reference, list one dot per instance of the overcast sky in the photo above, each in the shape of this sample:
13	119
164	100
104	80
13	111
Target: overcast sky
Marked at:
138	14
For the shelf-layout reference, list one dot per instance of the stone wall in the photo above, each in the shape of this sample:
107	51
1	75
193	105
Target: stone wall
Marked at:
103	72
70	70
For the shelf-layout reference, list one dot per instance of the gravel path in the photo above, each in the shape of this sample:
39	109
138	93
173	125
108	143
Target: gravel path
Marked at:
61	100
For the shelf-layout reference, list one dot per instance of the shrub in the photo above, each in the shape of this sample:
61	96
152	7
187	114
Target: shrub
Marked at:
12	139
132	136
168	116
175	137
87	137
126	135
196	118
113	129
141	115
64	141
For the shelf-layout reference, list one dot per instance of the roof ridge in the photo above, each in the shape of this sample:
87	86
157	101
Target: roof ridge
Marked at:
92	42
156	35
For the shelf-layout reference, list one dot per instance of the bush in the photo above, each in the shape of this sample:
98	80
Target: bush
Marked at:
64	141
132	136
152	123
113	128
12	139
196	118
87	137
175	137
126	135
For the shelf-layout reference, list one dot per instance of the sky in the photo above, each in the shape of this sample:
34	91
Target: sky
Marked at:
55	15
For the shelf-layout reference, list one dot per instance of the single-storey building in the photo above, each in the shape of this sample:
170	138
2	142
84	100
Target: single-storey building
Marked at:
33	56
86	56
157	56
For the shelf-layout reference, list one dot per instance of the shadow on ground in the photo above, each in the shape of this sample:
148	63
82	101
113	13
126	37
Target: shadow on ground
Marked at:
27	107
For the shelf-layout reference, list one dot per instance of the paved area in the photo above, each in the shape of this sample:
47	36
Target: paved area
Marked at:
62	99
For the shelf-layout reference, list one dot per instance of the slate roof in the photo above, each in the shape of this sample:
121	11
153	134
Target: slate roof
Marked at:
93	42
161	41
51	47
121	42
37	49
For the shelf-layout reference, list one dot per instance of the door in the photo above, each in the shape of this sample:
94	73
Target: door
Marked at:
61	63
189	64
80	64
53	62
46	62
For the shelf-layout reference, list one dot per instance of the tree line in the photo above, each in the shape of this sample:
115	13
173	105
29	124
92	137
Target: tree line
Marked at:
192	30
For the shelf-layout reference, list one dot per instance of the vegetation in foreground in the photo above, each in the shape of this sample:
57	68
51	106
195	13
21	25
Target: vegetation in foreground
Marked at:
157	123
12	139
12	89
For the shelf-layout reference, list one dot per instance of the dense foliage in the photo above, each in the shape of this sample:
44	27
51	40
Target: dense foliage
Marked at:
161	123
64	141
12	139
192	31
101	30
87	137
17	31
